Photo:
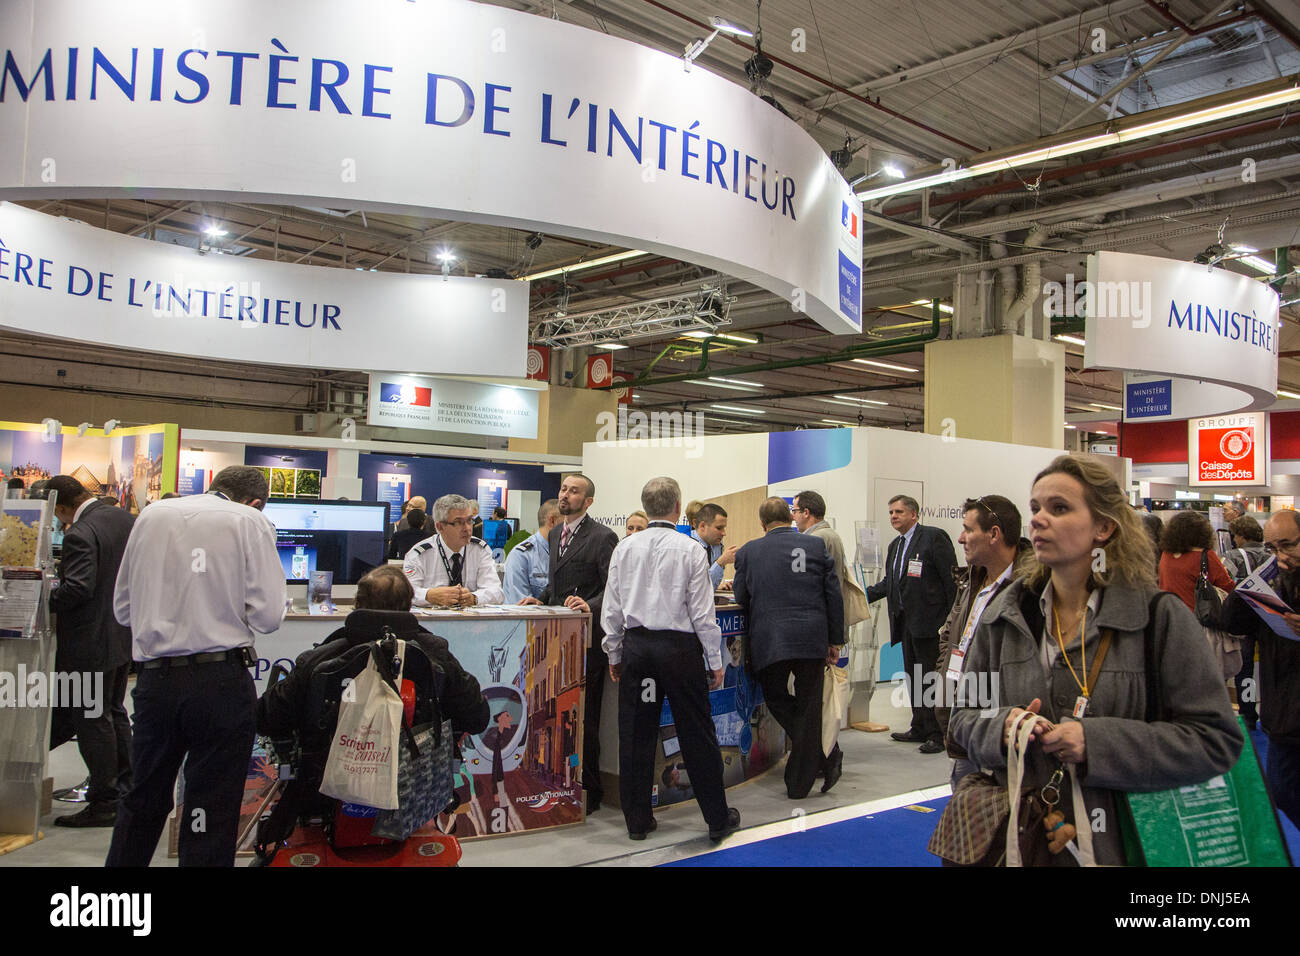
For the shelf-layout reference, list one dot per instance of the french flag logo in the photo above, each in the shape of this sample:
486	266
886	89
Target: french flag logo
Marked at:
849	220
392	393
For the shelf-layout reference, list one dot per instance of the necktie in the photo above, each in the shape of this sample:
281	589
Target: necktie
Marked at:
902	551
455	569
565	535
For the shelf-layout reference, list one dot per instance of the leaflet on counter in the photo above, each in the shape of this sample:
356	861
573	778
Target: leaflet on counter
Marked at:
20	599
1257	591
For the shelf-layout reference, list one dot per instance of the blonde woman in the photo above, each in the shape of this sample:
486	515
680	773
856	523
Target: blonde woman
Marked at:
1040	639
636	521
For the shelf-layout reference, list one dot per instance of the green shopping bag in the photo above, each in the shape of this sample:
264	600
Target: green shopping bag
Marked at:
1227	821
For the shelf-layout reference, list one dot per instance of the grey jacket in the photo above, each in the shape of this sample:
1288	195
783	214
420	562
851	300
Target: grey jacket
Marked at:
1197	740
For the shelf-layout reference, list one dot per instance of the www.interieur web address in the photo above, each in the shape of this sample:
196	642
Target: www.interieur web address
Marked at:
1203	923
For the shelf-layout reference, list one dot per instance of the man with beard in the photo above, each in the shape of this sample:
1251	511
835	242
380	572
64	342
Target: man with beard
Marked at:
1279	663
580	552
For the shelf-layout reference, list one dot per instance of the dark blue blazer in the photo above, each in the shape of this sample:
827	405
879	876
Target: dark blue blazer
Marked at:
786	583
919	606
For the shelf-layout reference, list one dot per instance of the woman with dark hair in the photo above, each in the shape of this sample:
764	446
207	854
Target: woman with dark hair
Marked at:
1039	646
1188	535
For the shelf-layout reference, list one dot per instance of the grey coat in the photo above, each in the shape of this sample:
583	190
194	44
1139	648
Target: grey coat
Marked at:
1198	739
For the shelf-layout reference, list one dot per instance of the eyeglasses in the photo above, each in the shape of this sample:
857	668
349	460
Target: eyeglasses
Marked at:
1286	546
460	523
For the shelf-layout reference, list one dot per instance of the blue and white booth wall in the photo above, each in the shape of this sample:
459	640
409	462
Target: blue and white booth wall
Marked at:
857	471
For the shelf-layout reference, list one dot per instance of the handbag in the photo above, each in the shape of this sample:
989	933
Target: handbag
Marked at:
835	705
1229	820
1227	650
1209	605
856	609
362	763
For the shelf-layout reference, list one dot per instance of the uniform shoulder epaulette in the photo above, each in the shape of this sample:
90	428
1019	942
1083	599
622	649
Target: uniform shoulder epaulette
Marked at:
421	547
524	545
480	542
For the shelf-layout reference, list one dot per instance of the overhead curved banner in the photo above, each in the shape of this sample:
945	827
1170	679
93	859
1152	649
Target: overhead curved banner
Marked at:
72	281
1164	320
443	107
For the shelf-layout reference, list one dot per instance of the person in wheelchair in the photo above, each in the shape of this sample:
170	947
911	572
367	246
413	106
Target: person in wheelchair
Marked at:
305	703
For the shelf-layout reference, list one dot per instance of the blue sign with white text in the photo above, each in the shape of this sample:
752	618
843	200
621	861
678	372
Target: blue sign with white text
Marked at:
1149	399
850	274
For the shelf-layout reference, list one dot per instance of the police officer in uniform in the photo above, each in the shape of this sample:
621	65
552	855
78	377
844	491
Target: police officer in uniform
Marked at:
453	568
200	576
663	640
528	565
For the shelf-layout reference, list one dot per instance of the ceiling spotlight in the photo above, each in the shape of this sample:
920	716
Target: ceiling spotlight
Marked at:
81	429
700	44
214	231
109	425
843	156
534	241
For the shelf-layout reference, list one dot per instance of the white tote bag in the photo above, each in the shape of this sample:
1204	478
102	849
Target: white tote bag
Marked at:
362	763
835	705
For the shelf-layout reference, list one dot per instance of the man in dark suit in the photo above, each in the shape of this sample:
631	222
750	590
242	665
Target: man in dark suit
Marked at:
91	643
787	586
920	586
580	552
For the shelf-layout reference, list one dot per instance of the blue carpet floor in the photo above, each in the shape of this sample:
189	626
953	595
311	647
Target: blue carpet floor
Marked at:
892	838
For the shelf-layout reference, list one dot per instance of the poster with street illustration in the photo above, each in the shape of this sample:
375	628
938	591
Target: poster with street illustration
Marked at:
523	772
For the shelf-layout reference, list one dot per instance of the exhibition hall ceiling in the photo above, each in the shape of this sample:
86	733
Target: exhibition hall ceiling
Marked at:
896	83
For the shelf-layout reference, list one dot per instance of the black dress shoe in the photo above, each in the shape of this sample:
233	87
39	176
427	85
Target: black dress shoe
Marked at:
640	835
834	768
907	737
592	806
732	825
94	815
931	747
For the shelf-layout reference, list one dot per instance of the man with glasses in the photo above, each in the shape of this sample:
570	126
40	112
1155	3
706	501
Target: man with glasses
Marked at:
1279	663
453	568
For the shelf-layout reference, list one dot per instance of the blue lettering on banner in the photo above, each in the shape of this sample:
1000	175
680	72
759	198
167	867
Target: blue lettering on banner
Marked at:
850	289
276	78
1149	399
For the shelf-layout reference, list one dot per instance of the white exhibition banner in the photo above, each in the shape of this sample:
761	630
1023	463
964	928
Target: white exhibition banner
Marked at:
1165	319
448	405
72	281
1228	450
445	108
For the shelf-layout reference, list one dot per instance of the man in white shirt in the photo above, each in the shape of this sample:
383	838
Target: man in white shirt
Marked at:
200	577
663	640
453	568
990	534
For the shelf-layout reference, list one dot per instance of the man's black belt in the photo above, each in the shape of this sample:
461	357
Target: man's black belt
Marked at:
659	633
211	657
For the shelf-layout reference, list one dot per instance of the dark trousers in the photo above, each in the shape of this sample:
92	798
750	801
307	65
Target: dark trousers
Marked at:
202	714
104	741
800	716
921	655
1283	774
1247	708
659	664
597	667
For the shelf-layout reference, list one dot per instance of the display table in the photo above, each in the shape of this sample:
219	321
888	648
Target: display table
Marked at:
751	740
529	661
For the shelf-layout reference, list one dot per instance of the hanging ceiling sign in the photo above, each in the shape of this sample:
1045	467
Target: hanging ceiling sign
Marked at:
1228	450
1208	334
446	108
72	281
448	405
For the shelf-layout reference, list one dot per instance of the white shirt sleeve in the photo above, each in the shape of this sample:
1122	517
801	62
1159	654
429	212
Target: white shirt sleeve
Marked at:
704	620
265	594
611	613
122	590
415	567
489	590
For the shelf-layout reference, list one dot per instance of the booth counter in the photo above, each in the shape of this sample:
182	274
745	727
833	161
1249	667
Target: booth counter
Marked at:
530	663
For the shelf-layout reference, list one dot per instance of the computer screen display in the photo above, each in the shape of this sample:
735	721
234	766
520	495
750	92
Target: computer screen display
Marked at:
346	537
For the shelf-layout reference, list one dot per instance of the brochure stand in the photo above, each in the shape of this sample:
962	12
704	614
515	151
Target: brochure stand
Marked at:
864	637
26	663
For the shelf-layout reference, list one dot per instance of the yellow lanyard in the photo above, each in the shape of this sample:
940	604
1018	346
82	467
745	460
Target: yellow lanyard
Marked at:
1083	655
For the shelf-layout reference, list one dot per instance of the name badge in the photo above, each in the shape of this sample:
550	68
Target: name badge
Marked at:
914	568
956	662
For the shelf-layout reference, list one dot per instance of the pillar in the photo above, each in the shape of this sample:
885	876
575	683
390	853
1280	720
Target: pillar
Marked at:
1007	388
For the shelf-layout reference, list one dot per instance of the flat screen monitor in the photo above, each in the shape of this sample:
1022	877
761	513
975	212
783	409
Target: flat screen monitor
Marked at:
496	532
346	537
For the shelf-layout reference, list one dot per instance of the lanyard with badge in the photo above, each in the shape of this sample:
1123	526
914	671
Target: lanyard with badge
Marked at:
957	661
566	541
1085	686
447	567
